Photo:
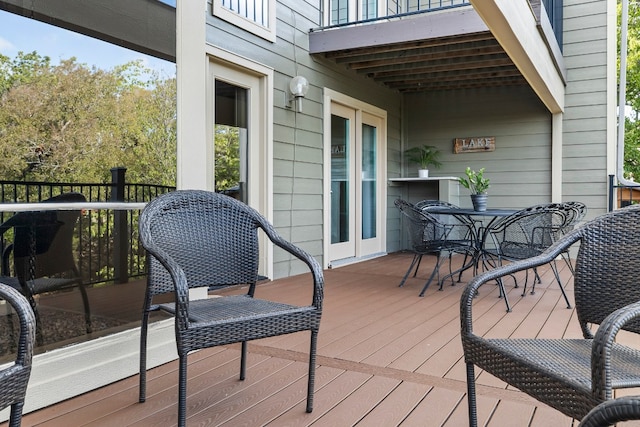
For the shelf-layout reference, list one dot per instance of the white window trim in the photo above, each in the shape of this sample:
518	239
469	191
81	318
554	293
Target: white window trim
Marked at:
267	33
261	199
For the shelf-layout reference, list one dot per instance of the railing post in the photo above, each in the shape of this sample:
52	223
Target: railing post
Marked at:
120	235
611	192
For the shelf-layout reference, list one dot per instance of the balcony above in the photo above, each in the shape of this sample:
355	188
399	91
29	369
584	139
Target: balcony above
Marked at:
455	47
443	50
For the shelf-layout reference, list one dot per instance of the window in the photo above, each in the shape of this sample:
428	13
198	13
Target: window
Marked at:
255	16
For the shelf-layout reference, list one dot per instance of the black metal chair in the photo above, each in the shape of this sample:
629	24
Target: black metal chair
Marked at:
574	214
203	239
613	411
525	234
15	377
430	236
571	375
43	254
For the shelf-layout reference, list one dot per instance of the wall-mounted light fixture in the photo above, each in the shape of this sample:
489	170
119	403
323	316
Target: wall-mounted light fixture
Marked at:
298	86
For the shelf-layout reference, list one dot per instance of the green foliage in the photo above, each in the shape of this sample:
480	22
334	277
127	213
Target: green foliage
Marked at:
632	125
424	155
227	157
475	181
73	123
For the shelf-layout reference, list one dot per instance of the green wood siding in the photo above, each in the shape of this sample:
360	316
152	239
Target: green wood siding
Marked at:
585	117
520	166
297	137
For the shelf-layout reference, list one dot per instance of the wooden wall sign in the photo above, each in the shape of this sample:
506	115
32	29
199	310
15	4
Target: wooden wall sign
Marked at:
474	144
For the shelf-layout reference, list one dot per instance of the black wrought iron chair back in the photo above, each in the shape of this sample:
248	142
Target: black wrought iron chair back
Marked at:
574	214
15	377
571	375
525	234
429	235
43	253
203	239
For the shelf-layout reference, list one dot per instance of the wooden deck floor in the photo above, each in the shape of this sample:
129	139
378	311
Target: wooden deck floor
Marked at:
386	357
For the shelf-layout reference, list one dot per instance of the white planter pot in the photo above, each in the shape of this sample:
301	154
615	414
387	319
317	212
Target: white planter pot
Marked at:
423	173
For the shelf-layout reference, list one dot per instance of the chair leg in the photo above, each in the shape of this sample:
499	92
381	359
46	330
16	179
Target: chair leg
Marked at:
436	269
416	259
182	392
142	396
87	309
503	294
15	417
243	360
567	260
312	370
554	267
471	395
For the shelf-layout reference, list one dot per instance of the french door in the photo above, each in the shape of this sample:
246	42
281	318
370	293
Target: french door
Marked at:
355	191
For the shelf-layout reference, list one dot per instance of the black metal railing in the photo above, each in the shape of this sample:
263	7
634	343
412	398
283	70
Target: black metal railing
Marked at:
554	12
107	241
394	9
621	195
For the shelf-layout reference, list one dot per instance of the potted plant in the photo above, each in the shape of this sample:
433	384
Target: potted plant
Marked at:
424	156
478	185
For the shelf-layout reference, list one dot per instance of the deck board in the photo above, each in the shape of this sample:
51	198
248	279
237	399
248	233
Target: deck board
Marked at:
386	357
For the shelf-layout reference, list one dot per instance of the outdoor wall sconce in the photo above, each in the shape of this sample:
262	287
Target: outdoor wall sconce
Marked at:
298	86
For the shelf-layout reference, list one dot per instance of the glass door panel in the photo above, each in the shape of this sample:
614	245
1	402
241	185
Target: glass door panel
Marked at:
339	179
369	181
343	188
231	140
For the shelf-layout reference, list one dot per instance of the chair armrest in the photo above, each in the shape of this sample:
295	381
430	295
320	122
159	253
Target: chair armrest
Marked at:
613	411
311	262
603	341
180	284
27	320
466	300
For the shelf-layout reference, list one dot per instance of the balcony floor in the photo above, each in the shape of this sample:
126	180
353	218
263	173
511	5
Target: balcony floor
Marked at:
386	357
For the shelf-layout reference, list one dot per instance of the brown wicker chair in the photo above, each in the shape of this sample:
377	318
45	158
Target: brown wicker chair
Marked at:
203	239
613	411
571	375
14	378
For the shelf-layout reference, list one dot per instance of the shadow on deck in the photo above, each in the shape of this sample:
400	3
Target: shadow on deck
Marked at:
386	357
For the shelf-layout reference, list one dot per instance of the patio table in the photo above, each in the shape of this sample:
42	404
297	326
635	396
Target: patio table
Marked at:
478	239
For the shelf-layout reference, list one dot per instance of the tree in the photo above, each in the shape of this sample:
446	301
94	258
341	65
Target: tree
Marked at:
227	157
73	123
632	124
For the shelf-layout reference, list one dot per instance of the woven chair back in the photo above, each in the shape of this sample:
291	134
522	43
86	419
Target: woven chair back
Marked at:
212	237
608	267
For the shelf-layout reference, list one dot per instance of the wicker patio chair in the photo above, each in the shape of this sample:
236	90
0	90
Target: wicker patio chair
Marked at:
43	254
430	236
613	411
15	377
525	234
571	375
203	239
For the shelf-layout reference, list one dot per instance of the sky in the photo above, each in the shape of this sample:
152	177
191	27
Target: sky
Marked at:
18	33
